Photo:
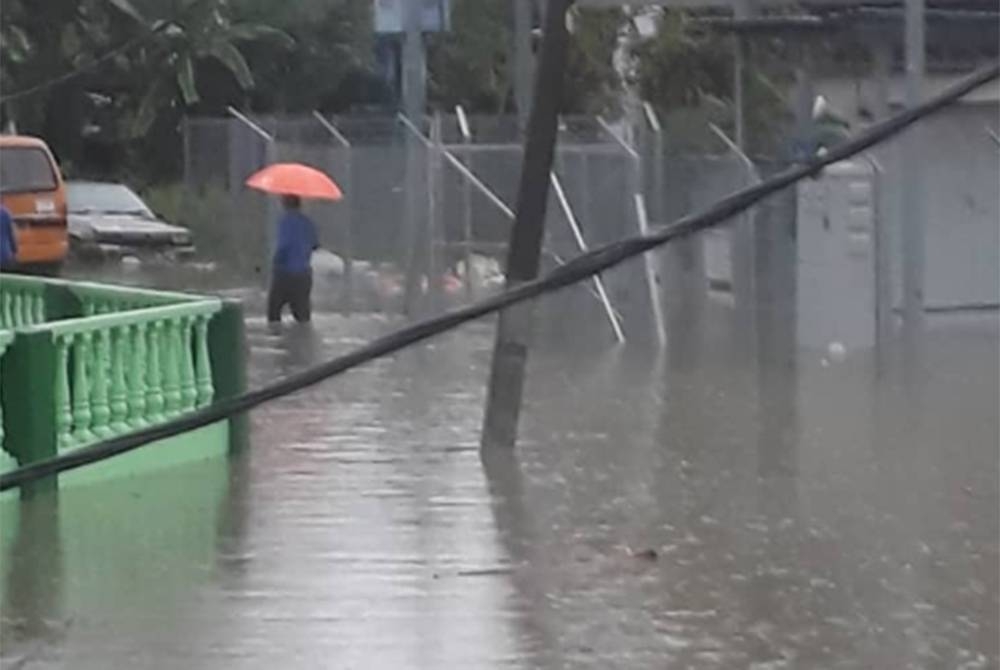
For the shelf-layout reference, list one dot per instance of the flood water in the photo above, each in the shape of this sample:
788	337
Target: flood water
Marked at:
694	508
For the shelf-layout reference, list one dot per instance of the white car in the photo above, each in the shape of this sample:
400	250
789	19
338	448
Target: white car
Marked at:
108	220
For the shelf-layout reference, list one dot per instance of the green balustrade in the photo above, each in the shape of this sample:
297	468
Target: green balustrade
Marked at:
121	371
86	362
24	301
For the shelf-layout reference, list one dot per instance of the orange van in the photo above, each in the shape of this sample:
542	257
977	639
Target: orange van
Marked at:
32	190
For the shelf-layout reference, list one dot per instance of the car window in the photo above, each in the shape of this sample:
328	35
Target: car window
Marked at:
107	198
26	169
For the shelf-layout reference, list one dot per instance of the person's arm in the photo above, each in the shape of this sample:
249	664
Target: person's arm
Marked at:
315	237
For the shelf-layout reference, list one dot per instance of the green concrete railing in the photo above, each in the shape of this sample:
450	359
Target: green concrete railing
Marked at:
27	301
119	372
85	362
22	303
7	461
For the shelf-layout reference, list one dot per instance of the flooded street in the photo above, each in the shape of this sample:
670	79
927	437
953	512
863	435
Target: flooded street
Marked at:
696	508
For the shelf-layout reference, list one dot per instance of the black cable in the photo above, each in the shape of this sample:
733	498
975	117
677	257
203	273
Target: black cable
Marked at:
72	74
581	267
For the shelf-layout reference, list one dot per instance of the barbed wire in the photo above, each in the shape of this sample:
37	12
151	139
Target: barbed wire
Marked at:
580	268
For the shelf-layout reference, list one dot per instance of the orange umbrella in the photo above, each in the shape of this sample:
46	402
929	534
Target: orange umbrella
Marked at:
295	179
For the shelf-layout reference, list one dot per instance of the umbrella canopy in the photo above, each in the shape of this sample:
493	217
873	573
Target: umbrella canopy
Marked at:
295	179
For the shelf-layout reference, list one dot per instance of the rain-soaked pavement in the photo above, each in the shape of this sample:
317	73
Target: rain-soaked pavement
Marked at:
693	509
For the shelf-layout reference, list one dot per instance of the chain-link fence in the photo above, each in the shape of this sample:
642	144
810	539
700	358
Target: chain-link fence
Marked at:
428	206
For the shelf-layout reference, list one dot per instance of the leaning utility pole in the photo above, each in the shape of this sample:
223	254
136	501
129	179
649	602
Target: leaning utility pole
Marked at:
510	350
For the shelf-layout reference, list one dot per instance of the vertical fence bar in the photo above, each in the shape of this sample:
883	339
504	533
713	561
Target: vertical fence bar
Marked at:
347	182
471	277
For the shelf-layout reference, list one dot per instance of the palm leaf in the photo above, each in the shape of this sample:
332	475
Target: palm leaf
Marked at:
126	7
185	80
230	56
250	32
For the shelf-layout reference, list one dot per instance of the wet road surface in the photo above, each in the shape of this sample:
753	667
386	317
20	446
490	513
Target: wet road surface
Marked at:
696	508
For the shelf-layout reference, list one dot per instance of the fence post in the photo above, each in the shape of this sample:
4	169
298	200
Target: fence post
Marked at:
227	348
347	182
471	277
434	206
28	395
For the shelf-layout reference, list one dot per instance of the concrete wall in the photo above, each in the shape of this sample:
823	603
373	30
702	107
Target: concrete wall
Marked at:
961	176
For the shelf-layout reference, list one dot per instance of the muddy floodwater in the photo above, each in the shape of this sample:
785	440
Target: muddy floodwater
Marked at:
699	507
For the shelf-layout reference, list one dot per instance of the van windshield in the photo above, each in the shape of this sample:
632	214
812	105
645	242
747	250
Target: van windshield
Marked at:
25	169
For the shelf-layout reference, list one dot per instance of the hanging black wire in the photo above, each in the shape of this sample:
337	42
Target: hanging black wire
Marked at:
580	268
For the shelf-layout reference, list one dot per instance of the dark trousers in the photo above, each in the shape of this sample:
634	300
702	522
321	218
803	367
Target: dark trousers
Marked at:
290	289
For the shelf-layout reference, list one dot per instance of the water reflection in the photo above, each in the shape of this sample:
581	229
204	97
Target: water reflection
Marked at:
720	504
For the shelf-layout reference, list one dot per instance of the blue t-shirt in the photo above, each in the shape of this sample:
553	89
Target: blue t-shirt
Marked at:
296	242
8	241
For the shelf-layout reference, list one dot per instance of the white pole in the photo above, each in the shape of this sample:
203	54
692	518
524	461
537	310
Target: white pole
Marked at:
332	129
475	181
622	143
470	278
578	236
250	124
993	136
471	177
648	260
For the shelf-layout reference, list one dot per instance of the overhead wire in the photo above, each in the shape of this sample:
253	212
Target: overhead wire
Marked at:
577	269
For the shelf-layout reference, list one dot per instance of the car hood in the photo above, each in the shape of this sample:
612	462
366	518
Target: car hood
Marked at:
97	224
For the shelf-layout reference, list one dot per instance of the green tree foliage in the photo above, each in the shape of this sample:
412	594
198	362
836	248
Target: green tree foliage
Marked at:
686	72
470	65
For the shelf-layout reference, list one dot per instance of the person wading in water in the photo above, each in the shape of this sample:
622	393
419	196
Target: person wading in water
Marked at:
291	273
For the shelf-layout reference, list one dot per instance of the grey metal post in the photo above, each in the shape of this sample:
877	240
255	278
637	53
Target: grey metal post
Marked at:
656	175
186	133
414	62
269	157
414	98
470	274
885	219
523	60
434	267
347	182
913	222
744	241
741	10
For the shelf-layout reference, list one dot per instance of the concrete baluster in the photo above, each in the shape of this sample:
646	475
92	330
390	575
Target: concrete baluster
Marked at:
137	377
82	415
119	391
64	410
203	364
6	316
171	371
39	316
154	374
189	393
102	365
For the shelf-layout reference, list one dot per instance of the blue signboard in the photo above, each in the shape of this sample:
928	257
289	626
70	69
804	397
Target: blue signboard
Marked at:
390	16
